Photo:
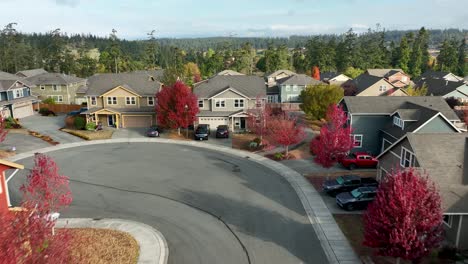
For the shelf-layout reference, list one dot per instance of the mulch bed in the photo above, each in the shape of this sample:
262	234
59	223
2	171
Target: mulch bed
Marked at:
289	157
242	141
89	134
43	137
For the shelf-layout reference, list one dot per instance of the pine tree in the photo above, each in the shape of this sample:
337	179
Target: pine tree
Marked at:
448	57
403	55
462	64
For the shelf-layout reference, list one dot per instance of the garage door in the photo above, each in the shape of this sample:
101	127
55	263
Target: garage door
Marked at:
22	111
137	121
214	122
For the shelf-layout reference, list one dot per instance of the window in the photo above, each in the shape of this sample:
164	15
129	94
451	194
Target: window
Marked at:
150	100
56	88
201	104
295	88
448	219
293	98
398	122
112	100
17	93
288	88
57	98
42	87
239	103
130	100
404	79
357	140
407	158
220	103
272	99
93	100
383	88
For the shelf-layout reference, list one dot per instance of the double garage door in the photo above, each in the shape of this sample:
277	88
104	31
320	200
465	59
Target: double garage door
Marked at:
137	121
23	110
214	122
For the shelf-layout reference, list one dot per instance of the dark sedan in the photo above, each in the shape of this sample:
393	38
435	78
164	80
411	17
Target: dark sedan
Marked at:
222	131
153	132
356	199
202	132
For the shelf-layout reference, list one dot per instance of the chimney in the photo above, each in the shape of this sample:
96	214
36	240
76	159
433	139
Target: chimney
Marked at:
465	164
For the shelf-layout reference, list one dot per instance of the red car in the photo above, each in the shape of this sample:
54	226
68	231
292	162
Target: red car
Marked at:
359	160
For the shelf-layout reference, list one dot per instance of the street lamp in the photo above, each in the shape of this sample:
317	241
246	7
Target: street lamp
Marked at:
186	120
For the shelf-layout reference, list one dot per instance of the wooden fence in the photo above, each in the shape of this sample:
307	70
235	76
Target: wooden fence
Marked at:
57	108
286	106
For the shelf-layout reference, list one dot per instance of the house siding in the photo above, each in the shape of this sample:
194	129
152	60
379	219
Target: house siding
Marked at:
369	126
68	94
285	94
451	232
373	90
437	125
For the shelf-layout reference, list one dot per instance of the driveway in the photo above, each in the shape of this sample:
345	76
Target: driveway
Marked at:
211	207
23	142
49	125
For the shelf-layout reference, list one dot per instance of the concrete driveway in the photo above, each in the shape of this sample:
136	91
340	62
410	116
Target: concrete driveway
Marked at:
49	125
212	207
23	142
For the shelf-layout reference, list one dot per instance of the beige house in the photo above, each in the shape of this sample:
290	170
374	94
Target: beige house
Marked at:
273	78
369	85
61	87
122	100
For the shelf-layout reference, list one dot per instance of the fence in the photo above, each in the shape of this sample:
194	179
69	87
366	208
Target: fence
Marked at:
286	106
57	108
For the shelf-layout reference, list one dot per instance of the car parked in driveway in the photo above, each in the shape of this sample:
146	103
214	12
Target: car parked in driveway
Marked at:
359	160
358	198
153	132
222	131
347	183
202	132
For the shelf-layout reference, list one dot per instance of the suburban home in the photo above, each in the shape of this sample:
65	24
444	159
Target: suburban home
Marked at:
444	88
122	99
30	73
444	157
61	87
378	122
334	78
370	85
397	77
224	100
273	78
15	96
230	73
290	88
447	76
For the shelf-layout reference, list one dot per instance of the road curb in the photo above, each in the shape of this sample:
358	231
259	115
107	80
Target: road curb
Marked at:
332	239
153	245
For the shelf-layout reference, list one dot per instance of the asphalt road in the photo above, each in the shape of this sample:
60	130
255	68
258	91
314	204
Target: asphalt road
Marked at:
211	207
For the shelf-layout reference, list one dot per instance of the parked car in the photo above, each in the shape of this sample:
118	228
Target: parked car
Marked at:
347	183
222	131
359	160
153	132
77	112
202	132
358	198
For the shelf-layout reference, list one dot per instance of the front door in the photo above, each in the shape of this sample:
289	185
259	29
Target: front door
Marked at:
111	120
242	122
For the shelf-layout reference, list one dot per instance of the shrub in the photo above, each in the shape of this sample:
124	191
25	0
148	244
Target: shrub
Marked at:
90	126
44	111
253	145
79	122
70	121
279	156
48	101
258	141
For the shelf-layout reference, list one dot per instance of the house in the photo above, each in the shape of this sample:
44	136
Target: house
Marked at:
121	99
445	88
30	73
370	85
445	159
334	78
15	96
273	78
447	76
290	88
224	99
378	121
397	77
229	73
61	87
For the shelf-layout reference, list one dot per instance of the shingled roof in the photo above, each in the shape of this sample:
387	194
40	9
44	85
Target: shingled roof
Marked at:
278	72
8	79
299	79
439	87
250	86
365	81
30	73
139	82
53	78
383	72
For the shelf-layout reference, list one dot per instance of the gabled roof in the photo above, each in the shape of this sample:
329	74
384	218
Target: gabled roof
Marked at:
408	114
7	76
229	72
439	87
386	105
365	81
325	76
53	78
7	84
437	75
278	72
248	85
156	74
30	73
383	72
299	79
140	82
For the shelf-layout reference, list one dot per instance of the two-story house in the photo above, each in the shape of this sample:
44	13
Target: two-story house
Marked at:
378	122
15	96
370	85
397	77
272	80
61	87
122	99
444	157
225	100
291	87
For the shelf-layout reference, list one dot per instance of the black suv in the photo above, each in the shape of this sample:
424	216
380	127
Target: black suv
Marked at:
358	198
202	132
222	131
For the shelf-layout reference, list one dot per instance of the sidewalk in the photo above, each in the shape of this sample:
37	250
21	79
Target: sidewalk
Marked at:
153	245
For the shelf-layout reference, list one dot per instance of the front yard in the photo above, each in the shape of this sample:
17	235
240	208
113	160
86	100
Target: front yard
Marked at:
90	134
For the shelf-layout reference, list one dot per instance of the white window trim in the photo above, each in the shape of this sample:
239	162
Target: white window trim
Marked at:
130	100
402	157
382	88
56	98
287	88
360	142
91	100
42	87
148	101
383	144
295	88
111	102
58	86
240	103
450	221
21	91
398	122
202	103
220	100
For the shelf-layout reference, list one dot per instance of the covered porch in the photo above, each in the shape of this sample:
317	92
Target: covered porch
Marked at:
238	122
106	117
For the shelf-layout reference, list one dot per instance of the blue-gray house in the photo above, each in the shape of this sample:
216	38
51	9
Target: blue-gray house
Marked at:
15	96
291	87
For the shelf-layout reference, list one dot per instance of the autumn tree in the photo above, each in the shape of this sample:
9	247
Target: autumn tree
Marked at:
353	72
335	140
191	73
3	131
316	99
285	131
316	73
259	118
404	222
416	91
176	106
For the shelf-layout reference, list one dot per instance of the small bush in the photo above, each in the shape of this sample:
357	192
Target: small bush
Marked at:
258	141
48	101
79	123
253	145
278	156
91	126
44	111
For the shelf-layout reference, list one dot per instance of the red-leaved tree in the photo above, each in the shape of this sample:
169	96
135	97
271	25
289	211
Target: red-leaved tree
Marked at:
258	119
316	73
3	131
405	219
284	131
335	140
176	106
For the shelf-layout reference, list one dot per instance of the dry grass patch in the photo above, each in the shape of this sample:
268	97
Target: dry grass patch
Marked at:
302	152
173	134
241	141
90	134
103	246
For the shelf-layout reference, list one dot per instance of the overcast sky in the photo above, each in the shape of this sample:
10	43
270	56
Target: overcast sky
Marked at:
200	18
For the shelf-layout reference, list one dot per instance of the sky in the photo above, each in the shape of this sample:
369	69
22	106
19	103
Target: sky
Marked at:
133	19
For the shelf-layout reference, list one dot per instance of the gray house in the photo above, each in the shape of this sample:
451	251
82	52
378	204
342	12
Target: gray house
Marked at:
15	96
444	157
378	121
225	99
291	87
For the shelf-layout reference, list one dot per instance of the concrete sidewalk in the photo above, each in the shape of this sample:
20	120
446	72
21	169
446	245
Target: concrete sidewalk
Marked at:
153	245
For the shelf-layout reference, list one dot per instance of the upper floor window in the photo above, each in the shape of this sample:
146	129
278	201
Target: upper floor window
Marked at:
295	88
398	122
17	93
357	140
201	104
383	88
150	100
130	100
288	88
93	100
56	88
112	100
220	103
407	158
239	103
42	87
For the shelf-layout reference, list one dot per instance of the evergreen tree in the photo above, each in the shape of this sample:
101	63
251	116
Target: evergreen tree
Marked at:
346	52
448	57
462	65
403	56
419	59
151	51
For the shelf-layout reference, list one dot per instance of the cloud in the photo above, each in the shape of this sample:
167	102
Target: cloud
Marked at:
70	3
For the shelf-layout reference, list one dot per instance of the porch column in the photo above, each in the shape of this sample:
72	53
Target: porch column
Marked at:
117	123
232	123
96	120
